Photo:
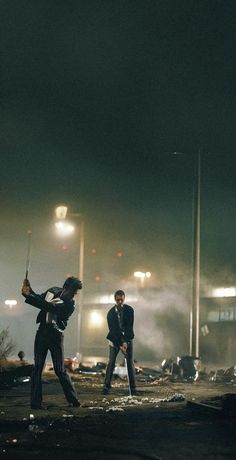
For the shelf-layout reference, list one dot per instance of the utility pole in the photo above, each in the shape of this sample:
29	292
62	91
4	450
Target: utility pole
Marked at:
194	317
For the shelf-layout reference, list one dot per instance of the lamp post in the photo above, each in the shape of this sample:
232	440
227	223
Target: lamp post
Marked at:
65	228
195	310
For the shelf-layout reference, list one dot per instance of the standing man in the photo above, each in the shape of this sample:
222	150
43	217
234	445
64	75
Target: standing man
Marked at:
120	319
56	306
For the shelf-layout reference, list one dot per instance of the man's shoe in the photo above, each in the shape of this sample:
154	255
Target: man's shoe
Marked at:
105	391
75	403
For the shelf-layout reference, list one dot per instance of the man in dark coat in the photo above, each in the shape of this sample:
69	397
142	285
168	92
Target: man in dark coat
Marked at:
120	319
56	306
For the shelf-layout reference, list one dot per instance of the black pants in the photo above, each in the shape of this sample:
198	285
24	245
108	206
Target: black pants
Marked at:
46	339
113	352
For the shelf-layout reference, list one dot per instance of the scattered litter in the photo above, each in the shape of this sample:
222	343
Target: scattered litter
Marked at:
35	429
155	400
177	397
123	399
92	369
68	415
135	402
115	409
223	375
159	382
31	416
95	408
32	427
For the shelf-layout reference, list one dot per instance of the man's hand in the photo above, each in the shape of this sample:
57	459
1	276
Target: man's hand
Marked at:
26	288
124	347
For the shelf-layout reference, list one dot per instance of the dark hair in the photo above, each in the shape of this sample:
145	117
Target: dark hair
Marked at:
72	283
119	292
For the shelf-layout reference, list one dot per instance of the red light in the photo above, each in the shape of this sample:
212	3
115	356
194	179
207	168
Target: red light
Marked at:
93	251
98	278
119	254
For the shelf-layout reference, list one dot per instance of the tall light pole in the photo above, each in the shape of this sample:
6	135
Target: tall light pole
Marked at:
194	317
195	310
81	277
66	228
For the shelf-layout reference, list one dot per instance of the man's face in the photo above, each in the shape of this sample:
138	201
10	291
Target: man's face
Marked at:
119	299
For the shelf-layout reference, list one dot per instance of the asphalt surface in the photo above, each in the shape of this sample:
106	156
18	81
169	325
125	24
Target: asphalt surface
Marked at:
165	420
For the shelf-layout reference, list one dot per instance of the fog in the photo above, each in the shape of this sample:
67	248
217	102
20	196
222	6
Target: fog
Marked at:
162	305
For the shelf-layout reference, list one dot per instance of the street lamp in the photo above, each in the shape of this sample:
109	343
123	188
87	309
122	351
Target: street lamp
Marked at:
194	318
194	315
64	228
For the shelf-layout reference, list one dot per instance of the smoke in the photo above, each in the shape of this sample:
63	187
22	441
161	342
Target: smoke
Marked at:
162	323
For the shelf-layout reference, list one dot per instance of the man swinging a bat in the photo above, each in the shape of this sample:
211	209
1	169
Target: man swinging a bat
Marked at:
56	305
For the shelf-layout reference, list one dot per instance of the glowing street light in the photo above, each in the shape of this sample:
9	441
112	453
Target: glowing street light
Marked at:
64	228
61	212
142	276
10	303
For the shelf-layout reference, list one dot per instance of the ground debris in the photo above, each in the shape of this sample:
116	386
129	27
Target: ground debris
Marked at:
177	397
115	409
223	375
95	408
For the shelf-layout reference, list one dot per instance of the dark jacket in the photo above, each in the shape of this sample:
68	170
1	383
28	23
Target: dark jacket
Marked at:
115	334
61	311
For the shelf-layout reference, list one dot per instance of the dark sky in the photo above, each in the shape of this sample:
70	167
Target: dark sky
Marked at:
95	96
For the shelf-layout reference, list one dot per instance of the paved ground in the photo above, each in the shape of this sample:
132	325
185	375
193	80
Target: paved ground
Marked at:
117	427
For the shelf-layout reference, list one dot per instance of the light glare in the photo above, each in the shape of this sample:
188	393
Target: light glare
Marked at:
139	274
224	292
63	228
96	319
10	303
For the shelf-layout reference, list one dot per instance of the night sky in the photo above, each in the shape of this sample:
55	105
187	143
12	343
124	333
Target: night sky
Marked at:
95	97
